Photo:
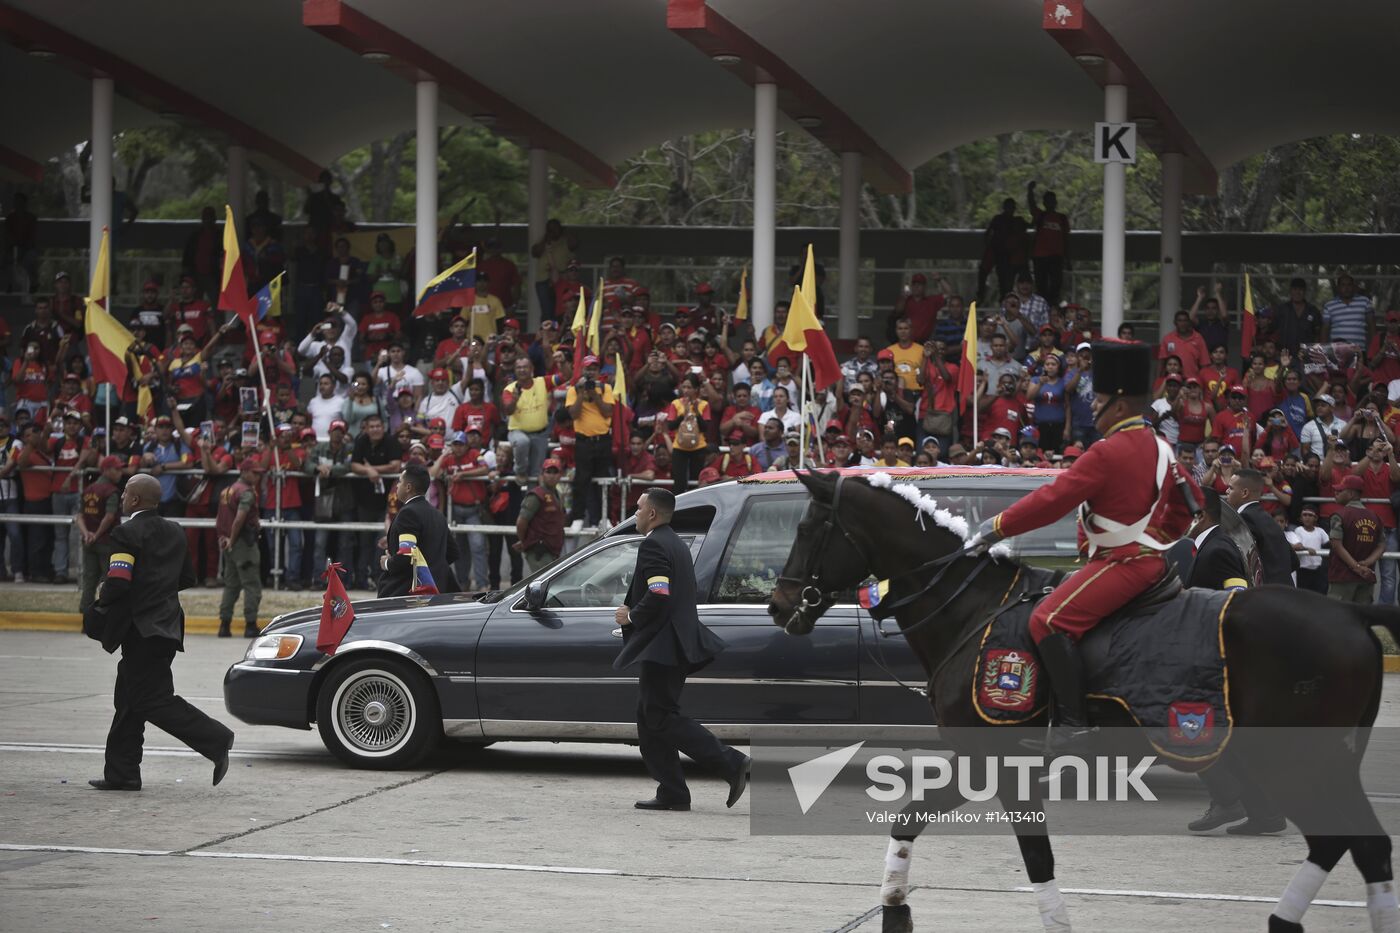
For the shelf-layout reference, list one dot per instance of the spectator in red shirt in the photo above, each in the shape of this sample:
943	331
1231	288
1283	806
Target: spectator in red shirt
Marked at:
1049	245
920	307
1185	343
36	485
1383	356
939	403
45	332
467	476
290	457
1234	426
476	413
738	424
380	327
567	288
1003	410
639	467
32	377
189	309
70	452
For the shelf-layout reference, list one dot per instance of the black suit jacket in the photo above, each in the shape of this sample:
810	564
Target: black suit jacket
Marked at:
1218	563
150	601
1278	558
418	518
662	599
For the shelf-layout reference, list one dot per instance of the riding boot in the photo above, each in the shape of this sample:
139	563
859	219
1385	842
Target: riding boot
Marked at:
1072	732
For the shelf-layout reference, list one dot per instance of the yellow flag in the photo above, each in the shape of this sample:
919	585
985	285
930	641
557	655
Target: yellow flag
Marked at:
620	383
580	315
741	312
1248	296
101	274
595	321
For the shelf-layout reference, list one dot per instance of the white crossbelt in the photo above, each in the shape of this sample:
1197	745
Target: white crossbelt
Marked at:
1106	533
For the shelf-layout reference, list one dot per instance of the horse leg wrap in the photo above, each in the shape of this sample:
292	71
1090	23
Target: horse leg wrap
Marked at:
1053	913
1300	892
894	889
1383	907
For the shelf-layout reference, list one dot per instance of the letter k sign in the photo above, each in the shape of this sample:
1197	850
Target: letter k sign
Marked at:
811	778
1115	142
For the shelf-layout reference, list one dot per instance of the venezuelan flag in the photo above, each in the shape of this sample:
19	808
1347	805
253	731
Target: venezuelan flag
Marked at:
871	595
268	301
455	288
423	582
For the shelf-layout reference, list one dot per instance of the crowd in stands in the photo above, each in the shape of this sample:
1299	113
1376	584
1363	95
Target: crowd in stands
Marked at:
357	387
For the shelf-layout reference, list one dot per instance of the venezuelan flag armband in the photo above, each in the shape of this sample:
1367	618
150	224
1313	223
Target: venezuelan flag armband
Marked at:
659	586
120	566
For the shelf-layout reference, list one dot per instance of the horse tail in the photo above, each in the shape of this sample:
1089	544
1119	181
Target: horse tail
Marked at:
1386	617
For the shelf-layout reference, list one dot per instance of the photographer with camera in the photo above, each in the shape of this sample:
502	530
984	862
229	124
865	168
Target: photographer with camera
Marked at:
590	405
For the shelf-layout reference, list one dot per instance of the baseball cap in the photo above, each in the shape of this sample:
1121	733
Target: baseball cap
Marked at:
905	441
123	422
460	437
1324	399
1173	377
377	294
473	429
150	284
551	464
251	465
573	264
590	360
163	421
511	323
841	439
1047	329
439	373
1073	451
437	424
1308	510
435	441
666	324
284	428
1084	345
338	423
1352	482
185	329
917	277
549	325
1392	315
1193	381
1238	390
834	425
404	391
267	338
70	413
109	462
886	354
640	291
1004	432
704	288
60	275
1030	433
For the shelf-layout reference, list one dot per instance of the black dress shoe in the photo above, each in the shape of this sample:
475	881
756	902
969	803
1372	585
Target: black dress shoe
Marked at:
221	763
1217	815
224	630
739	782
656	803
250	631
1258	826
104	784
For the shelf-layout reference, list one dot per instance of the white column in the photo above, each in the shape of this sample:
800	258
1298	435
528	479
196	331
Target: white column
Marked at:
100	181
1115	178
1169	287
425	219
537	215
238	182
848	261
765	202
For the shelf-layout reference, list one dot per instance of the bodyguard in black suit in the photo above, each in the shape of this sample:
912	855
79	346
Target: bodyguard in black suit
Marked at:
428	526
138	609
1275	553
1219	565
662	634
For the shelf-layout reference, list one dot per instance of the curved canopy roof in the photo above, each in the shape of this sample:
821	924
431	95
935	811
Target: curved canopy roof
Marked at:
594	82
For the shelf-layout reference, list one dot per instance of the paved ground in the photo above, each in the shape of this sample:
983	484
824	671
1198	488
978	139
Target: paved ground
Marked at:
519	837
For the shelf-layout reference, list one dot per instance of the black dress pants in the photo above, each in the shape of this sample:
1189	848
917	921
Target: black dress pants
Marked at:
145	692
663	731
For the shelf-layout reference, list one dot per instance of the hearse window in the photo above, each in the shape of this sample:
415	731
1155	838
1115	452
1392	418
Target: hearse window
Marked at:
599	580
758	549
695	520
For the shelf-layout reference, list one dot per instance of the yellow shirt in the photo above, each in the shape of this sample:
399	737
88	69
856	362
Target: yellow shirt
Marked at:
531	406
590	421
557	255
483	317
906	363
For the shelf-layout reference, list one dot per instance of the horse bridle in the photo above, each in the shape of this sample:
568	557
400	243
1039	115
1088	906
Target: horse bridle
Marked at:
811	594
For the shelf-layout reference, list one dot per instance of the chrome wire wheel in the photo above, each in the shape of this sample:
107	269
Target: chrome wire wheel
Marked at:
375	713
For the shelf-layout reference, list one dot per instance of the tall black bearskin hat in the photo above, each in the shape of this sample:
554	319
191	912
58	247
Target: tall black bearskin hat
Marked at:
1122	367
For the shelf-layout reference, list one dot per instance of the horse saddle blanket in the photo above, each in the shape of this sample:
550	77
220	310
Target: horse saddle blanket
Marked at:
1164	665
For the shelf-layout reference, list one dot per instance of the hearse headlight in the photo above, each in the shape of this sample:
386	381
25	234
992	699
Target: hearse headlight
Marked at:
275	647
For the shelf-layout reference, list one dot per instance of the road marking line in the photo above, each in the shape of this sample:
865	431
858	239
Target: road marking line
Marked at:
622	873
43	657
158	751
85	850
418	863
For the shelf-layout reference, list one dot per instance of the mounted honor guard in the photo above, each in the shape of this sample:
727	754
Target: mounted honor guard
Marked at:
1134	504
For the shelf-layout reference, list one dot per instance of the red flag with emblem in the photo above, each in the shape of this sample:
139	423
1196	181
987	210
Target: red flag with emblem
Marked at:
337	612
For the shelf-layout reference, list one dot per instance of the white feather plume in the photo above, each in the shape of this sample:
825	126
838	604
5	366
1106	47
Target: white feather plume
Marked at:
927	505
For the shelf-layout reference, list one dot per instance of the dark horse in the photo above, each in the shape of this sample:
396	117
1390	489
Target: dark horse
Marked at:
1275	638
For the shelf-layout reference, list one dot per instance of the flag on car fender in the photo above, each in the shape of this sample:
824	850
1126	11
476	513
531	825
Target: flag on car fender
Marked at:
337	612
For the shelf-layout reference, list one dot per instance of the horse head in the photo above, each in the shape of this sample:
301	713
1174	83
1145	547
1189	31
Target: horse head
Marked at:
829	554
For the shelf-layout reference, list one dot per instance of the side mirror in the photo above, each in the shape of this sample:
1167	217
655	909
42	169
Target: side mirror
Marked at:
534	595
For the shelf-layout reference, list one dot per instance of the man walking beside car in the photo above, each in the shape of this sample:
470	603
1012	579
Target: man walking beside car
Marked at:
138	609
662	633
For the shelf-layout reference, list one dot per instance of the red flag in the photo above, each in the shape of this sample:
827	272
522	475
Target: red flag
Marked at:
337	612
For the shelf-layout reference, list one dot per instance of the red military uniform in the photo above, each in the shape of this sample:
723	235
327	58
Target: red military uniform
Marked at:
1117	481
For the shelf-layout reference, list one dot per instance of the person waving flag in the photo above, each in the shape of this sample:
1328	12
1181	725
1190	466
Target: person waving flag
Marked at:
455	288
